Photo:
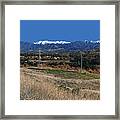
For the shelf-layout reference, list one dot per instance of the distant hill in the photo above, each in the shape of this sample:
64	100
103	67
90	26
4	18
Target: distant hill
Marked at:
58	46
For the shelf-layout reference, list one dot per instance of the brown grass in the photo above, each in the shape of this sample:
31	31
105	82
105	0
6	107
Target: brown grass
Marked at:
37	85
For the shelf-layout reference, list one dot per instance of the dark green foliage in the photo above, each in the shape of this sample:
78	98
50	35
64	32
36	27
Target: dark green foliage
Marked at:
90	59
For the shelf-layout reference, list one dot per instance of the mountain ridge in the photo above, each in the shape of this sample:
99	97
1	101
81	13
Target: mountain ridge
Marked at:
47	45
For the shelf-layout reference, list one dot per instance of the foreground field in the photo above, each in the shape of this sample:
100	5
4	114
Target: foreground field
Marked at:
47	84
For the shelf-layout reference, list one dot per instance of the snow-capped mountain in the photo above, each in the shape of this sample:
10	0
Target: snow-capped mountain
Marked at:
51	42
43	42
91	41
52	45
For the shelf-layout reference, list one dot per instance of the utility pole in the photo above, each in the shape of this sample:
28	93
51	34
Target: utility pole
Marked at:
81	62
39	56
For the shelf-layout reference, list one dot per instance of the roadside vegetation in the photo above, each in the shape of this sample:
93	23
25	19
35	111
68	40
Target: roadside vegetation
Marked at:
60	76
84	75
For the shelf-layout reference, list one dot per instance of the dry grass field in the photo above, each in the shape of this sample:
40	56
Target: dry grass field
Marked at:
50	84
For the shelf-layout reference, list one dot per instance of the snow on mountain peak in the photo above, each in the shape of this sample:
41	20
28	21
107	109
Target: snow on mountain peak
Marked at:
51	42
95	41
91	41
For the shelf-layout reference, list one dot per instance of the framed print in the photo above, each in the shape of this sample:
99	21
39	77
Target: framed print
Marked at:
59	60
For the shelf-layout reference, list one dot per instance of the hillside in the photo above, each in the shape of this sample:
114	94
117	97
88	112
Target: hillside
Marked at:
61	46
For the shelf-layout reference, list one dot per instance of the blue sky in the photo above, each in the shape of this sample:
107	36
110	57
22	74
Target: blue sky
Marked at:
69	30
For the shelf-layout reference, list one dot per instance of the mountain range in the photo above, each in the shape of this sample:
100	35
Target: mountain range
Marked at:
58	46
